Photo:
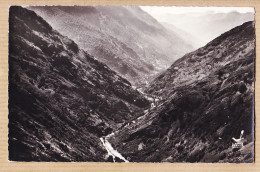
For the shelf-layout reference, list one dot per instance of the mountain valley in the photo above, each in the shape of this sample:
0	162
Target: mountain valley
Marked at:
87	86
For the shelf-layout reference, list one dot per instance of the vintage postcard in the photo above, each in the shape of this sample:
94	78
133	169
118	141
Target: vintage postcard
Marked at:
131	84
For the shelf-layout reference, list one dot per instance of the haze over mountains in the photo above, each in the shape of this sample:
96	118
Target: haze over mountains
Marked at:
127	39
195	41
204	25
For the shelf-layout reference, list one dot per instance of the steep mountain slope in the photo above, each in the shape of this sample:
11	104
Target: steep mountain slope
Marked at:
61	99
127	39
207	98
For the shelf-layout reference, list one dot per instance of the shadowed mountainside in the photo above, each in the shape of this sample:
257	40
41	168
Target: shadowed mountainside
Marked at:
61	99
207	98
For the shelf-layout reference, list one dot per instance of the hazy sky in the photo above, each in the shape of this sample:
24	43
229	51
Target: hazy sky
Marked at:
203	23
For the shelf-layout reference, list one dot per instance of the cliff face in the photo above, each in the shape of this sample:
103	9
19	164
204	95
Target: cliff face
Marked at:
127	39
207	98
61	99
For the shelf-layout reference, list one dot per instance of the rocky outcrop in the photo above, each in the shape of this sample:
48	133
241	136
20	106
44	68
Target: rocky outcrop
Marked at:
208	98
127	39
61	99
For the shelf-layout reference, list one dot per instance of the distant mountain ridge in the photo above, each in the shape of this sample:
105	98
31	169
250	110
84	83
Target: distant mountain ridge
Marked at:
206	26
127	39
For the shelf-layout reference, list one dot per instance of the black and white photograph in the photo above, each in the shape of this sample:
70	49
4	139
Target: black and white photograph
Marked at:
159	84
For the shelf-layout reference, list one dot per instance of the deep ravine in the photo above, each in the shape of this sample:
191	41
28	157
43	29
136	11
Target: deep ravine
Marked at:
111	151
66	106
